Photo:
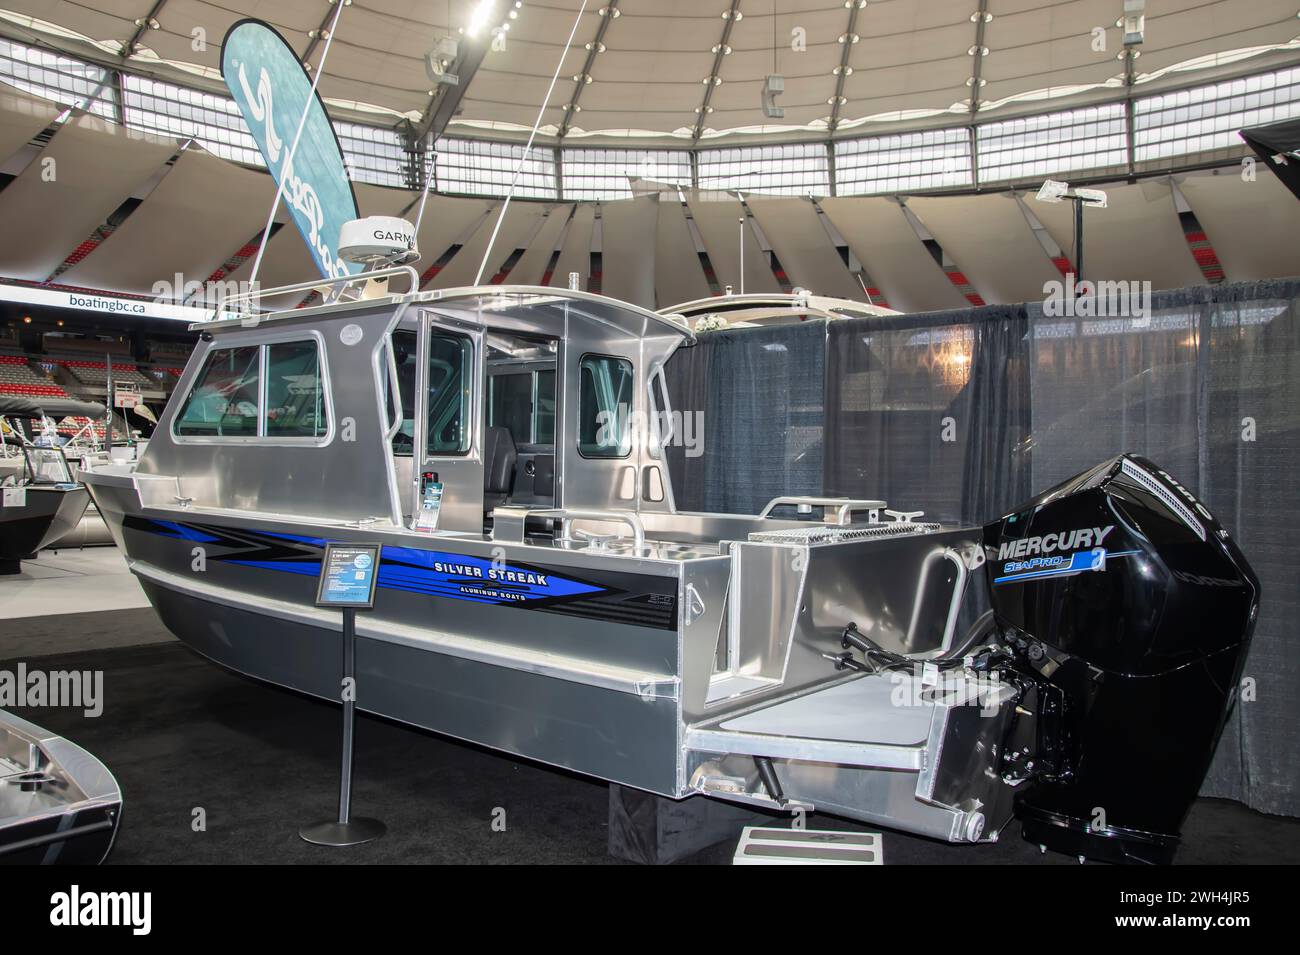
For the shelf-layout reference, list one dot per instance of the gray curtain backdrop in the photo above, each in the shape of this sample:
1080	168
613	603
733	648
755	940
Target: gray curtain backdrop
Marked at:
964	414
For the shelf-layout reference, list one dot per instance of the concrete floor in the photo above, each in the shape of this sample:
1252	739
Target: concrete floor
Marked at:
47	586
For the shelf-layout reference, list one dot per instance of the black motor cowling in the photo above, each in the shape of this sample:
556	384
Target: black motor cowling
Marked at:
1135	609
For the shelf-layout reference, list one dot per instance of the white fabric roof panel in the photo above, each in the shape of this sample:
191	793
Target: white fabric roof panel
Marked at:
174	41
990	240
893	256
804	247
1136	238
201	212
447	220
575	255
521	221
679	276
627	252
1034	46
1252	225
1173	36
531	267
718	220
96	167
21	118
912	55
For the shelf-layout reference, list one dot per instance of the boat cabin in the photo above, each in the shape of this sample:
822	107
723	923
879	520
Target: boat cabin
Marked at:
503	400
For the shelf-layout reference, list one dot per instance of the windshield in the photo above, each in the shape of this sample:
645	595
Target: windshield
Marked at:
47	466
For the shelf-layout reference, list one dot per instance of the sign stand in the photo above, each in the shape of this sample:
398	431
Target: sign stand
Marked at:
347	581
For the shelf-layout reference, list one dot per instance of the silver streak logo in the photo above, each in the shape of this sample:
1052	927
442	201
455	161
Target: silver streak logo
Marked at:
1079	539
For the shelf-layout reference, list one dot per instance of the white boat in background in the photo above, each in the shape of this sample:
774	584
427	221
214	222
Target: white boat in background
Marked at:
770	308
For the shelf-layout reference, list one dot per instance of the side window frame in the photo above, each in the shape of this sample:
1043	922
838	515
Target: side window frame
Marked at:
467	409
631	410
262	438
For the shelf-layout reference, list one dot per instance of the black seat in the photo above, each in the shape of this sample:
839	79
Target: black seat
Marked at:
499	459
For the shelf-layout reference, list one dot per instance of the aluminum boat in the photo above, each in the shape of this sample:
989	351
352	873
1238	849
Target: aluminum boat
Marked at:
41	502
540	592
58	803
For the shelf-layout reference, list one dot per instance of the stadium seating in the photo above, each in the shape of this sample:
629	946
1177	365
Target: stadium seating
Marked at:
95	373
17	378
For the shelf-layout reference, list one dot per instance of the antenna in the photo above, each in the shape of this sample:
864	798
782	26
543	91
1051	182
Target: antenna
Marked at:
529	147
293	148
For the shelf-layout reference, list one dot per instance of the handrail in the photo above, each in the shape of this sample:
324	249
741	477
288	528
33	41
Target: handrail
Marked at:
567	515
227	304
954	604
845	506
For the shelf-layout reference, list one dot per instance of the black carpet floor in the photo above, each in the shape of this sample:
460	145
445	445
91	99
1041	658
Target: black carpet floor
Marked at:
182	734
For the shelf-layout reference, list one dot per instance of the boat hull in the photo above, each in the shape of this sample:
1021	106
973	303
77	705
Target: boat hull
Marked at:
594	730
48	514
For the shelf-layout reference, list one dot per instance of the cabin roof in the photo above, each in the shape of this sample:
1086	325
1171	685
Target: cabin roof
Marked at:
540	306
547	306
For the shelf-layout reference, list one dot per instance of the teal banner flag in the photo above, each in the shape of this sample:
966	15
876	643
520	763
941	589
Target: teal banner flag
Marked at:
271	89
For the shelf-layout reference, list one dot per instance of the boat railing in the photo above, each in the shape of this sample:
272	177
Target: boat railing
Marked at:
234	306
844	507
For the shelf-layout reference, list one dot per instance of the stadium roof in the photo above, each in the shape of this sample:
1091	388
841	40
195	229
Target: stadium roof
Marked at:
682	71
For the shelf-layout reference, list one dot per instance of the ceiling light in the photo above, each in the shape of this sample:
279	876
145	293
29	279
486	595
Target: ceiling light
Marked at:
837	101
727	15
978	51
704	109
715	80
598	47
726	50
479	18
975	17
846	70
613	13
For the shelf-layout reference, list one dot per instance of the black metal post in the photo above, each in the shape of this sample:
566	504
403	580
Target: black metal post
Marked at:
349	711
346	831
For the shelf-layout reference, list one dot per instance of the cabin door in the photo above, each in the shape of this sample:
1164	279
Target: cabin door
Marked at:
449	427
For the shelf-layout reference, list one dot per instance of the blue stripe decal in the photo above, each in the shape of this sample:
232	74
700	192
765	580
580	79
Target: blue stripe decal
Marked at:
414	570
181	532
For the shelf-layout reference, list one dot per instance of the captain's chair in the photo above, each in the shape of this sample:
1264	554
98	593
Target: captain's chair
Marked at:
499	459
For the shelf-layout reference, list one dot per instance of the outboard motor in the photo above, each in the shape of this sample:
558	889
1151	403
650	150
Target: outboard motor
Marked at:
1130	611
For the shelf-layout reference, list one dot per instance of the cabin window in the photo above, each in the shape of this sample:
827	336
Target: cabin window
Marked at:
451	364
273	391
604	407
224	400
545	410
405	356
511	404
295	400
